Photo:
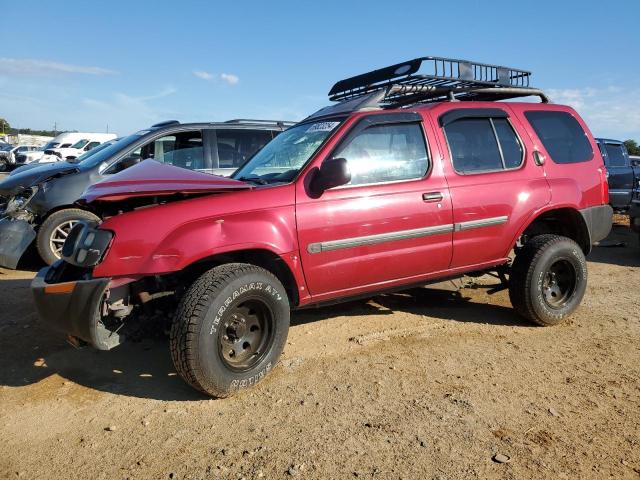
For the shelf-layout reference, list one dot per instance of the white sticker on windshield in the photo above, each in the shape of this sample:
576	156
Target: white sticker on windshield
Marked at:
322	127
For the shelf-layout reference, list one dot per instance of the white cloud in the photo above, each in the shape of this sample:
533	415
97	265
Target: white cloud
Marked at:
203	75
29	67
230	78
130	112
609	112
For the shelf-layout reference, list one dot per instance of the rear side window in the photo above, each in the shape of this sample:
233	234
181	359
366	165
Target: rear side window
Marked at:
561	135
616	155
483	145
236	146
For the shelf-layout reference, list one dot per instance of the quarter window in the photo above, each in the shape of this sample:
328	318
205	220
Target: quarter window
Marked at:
386	153
483	145
562	136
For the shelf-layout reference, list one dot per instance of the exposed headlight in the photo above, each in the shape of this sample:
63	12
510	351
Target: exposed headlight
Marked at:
19	201
86	245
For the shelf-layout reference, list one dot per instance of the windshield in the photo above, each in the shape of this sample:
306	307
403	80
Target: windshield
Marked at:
49	145
99	155
80	144
283	157
91	152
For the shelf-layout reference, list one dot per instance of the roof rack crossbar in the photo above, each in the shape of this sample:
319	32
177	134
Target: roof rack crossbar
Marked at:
264	122
437	78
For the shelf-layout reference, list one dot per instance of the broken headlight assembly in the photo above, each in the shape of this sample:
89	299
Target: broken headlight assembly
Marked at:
86	244
19	201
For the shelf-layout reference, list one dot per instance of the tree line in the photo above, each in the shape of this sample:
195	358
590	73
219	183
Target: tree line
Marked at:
7	129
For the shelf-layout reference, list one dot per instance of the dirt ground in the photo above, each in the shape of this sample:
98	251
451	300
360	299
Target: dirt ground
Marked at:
429	384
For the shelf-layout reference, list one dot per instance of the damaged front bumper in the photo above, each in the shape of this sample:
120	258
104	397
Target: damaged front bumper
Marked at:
15	237
73	307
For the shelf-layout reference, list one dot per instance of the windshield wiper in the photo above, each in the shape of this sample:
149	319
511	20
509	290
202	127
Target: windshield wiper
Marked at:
256	180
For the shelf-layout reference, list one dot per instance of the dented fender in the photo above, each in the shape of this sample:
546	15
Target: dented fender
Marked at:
167	238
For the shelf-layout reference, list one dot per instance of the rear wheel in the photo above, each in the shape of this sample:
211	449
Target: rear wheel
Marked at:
54	230
230	329
548	279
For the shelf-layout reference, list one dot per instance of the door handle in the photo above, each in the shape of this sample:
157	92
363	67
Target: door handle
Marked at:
432	197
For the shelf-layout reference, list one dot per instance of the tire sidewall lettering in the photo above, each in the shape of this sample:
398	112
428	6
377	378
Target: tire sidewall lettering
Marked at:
235	295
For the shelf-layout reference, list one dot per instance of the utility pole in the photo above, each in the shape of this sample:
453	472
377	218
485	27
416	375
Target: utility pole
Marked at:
107	128
55	129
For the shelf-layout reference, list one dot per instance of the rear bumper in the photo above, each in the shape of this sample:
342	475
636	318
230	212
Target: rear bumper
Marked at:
599	220
15	238
73	307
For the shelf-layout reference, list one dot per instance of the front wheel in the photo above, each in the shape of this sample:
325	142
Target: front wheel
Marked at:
54	230
230	329
548	279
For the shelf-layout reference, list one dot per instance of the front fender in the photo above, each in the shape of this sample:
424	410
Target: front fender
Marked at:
169	237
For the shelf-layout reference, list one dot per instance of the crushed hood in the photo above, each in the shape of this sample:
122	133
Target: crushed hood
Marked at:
17	182
152	178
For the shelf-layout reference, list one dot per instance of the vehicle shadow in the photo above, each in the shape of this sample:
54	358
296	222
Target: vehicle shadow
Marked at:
621	248
32	353
445	304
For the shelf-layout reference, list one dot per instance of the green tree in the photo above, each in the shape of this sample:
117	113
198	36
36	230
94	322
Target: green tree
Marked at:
4	125
632	147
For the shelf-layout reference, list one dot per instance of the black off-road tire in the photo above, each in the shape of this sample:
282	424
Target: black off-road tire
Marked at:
532	268
198	331
49	226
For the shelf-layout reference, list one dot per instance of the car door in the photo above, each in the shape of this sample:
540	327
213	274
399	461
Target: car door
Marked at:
620	172
391	224
493	182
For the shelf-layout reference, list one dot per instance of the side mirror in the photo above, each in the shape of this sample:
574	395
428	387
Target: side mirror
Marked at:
333	172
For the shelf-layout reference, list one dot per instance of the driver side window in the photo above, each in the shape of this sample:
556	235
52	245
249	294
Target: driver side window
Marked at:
386	153
181	149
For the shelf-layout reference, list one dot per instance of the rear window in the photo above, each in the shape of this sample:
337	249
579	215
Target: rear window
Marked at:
615	154
562	136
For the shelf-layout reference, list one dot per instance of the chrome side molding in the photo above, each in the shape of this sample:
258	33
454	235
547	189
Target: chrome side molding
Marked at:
403	234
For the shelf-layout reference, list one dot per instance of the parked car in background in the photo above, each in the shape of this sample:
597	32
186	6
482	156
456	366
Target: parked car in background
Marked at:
16	153
5	152
84	156
395	186
75	144
623	176
63	140
634	211
39	202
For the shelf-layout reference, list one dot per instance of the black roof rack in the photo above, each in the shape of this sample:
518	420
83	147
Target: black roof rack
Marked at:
440	79
265	122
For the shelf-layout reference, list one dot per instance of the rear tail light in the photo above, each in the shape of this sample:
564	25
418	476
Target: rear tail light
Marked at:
604	185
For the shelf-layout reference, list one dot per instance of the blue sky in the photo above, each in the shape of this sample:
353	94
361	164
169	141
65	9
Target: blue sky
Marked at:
128	64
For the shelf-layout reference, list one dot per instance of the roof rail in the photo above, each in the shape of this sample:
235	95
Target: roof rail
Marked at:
165	123
264	122
441	79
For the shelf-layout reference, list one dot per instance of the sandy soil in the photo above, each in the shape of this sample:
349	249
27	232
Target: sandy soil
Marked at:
430	383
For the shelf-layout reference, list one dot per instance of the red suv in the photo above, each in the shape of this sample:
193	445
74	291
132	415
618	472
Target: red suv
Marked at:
410	178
